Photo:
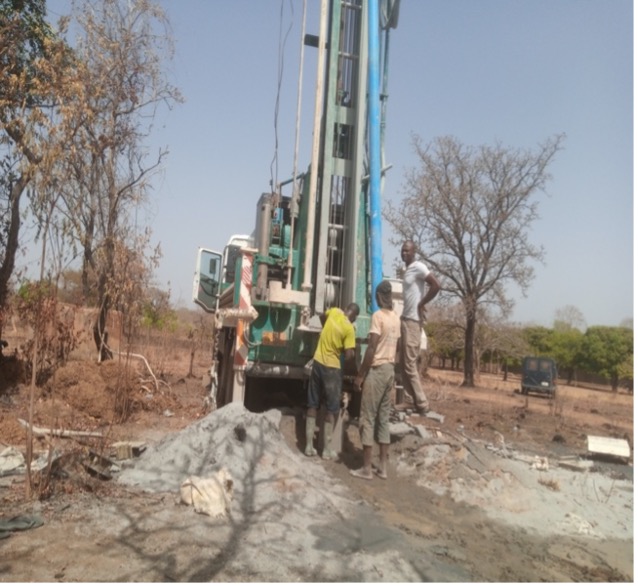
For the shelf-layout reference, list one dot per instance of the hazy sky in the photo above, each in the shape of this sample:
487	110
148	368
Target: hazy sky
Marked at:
515	71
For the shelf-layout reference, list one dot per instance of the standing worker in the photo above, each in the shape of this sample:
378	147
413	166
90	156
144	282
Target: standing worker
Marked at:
337	337
377	375
415	277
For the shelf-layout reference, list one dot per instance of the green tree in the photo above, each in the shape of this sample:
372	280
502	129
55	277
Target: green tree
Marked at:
566	340
626	373
157	312
469	212
565	345
539	340
606	351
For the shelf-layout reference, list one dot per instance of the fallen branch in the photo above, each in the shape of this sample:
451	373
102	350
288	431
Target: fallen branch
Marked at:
41	431
157	383
131	355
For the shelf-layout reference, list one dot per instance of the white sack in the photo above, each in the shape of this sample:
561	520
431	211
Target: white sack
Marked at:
210	496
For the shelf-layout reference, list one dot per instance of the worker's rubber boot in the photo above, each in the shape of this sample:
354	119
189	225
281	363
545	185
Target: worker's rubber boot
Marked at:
310	435
328	453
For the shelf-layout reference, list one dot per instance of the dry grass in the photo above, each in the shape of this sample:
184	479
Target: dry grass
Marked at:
550	483
495	405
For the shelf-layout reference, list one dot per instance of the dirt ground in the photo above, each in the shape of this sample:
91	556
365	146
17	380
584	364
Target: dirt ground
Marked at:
501	490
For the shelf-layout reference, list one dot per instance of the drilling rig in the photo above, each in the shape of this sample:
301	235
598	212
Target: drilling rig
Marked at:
316	242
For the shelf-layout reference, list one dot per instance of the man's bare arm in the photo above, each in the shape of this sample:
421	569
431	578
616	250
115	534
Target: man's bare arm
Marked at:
373	342
433	289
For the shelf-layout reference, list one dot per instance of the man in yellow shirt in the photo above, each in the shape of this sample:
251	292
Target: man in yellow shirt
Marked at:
337	337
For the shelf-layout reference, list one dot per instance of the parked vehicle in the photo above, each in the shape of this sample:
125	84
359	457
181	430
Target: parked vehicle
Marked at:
539	375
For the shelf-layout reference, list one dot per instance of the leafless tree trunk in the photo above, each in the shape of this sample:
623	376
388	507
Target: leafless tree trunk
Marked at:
468	362
7	266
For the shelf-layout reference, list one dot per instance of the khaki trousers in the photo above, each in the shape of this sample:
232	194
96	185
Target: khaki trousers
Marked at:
374	422
410	349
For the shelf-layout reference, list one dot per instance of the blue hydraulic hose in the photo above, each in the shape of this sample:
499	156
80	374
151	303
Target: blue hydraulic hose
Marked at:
374	130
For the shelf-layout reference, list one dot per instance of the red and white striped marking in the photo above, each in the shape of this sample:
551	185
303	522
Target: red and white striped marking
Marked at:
241	348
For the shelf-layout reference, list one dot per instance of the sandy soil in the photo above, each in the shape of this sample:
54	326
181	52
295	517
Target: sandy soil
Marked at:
502	490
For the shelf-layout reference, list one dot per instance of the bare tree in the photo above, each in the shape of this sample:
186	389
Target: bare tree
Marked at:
32	71
469	211
503	343
628	322
445	333
122	48
569	317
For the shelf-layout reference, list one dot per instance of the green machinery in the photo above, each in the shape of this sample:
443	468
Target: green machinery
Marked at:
314	244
